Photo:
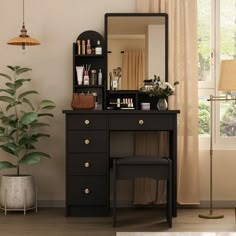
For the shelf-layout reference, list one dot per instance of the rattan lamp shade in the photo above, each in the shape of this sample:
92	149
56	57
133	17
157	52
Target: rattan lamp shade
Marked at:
27	41
23	39
227	80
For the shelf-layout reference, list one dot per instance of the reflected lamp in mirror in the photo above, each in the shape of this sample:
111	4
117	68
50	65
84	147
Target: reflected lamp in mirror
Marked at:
227	81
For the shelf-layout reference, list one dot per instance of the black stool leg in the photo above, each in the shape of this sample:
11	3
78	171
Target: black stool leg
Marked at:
114	193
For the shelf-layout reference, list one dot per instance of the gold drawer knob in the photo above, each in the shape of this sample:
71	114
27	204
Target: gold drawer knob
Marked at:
87	122
141	122
87	191
87	164
87	141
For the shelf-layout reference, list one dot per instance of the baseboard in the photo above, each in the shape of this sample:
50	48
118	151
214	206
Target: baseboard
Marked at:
127	203
51	203
218	204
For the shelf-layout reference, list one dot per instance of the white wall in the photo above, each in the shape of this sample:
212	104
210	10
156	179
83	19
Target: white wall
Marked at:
156	51
56	23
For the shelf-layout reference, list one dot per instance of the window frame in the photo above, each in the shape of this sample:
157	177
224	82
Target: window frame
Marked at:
207	88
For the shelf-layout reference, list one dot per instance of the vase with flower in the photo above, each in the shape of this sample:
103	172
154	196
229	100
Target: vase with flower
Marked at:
161	90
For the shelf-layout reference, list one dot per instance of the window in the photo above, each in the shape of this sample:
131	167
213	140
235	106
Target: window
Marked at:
216	42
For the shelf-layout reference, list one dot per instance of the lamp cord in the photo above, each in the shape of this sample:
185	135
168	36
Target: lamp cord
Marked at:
23	12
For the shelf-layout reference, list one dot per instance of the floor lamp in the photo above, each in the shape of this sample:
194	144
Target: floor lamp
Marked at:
227	82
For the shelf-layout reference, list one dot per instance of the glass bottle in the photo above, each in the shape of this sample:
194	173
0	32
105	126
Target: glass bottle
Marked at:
98	48
83	47
93	77
88	47
79	47
100	77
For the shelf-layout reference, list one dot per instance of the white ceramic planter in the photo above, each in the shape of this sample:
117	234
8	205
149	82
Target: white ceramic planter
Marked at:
17	192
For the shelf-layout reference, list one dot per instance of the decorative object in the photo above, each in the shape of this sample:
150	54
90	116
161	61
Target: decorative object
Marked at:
227	82
83	101
160	89
162	104
19	124
18	193
145	106
23	39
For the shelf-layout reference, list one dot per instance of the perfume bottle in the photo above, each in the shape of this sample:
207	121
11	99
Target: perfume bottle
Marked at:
88	47
98	48
79	47
100	77
83	47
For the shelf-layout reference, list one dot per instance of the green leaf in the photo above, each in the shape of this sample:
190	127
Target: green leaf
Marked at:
23	141
9	91
6	165
36	125
10	85
23	80
33	158
7	149
29	117
22	70
10	146
47	104
9	107
40	135
27	93
11	67
18	84
12	105
6	76
46	114
25	100
2	135
7	99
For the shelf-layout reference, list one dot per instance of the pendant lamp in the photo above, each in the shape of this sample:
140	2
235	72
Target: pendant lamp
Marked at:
23	39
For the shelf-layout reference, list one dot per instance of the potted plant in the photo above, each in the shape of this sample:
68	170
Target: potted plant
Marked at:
20	125
161	90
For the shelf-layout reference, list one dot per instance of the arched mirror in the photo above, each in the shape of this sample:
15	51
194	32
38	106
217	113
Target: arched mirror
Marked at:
137	45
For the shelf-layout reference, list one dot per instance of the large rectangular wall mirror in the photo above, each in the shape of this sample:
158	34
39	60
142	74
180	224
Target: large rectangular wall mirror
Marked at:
137	46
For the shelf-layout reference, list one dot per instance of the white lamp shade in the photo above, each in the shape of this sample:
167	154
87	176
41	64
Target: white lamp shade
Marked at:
227	81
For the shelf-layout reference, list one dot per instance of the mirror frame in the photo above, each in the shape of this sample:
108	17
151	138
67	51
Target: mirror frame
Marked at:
165	15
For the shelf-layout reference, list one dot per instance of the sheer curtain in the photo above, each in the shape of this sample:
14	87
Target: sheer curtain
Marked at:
133	69
183	68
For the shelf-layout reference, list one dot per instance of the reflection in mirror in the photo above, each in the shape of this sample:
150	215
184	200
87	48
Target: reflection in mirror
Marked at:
137	43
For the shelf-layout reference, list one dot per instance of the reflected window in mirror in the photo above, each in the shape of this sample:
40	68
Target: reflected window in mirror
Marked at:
138	46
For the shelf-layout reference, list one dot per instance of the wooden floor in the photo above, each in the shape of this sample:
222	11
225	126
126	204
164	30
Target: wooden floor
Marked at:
51	221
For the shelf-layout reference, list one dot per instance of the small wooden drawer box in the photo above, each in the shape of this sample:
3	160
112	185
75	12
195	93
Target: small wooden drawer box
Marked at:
87	164
87	141
140	122
86	122
91	190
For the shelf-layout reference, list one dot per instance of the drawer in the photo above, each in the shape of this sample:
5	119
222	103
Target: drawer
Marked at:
141	122
86	122
89	190
87	164
87	141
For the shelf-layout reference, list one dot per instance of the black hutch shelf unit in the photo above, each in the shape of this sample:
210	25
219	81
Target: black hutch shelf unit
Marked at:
94	61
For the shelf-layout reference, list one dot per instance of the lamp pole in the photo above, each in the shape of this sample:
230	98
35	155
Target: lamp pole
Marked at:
211	214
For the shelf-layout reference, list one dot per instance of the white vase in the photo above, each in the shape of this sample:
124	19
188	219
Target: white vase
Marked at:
162	104
17	192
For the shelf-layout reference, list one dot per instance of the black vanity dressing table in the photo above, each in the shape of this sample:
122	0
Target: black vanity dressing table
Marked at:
88	132
87	154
